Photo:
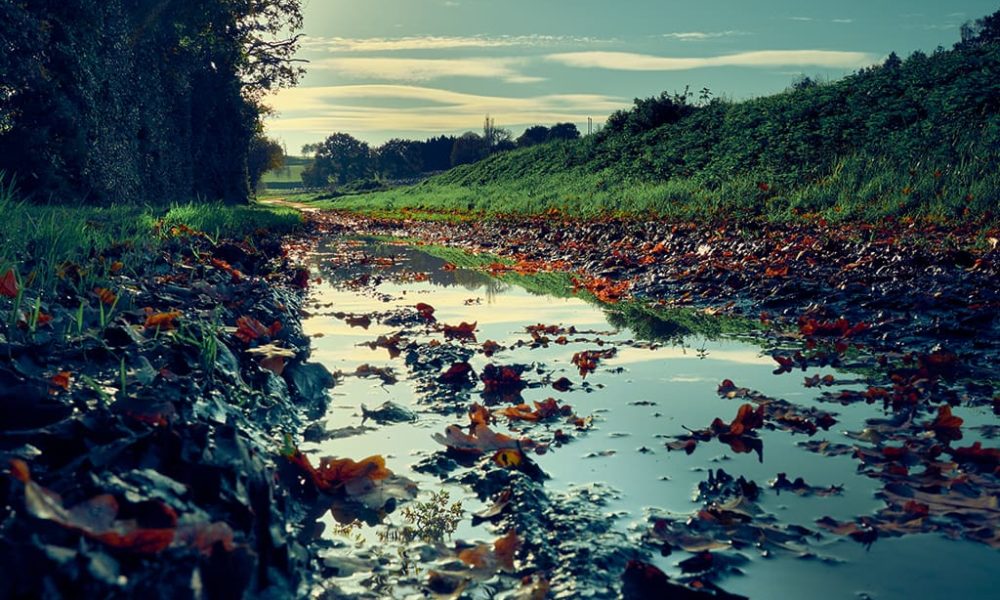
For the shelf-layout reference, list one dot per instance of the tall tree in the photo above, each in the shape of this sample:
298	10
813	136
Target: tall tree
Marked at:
341	158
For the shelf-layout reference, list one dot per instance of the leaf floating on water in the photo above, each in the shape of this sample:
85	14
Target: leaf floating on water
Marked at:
426	311
384	373
458	374
483	439
503	379
587	360
946	426
496	557
334	473
464	331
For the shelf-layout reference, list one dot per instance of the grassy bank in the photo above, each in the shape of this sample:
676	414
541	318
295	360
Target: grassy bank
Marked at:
919	137
45	242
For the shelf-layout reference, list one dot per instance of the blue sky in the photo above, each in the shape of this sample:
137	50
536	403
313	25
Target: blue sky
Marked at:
415	68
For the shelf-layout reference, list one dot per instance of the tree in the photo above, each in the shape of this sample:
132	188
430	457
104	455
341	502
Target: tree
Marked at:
399	159
435	153
468	148
265	155
563	131
536	134
981	31
341	158
118	100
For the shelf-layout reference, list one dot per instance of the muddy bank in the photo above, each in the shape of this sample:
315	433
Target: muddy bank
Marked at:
139	426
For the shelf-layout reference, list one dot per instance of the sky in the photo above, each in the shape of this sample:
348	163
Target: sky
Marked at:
380	69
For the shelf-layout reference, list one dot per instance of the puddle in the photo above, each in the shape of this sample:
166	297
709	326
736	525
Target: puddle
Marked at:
639	399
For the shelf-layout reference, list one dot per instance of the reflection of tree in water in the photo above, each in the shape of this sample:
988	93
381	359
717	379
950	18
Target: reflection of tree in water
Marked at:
646	325
483	284
412	260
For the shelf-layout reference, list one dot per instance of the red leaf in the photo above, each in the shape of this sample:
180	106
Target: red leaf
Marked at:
457	374
8	284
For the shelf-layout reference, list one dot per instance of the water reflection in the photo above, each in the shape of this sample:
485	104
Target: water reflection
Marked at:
639	398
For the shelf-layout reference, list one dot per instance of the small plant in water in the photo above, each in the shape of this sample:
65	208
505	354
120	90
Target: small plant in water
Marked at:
430	521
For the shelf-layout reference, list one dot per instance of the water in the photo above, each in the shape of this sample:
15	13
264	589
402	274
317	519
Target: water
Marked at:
639	399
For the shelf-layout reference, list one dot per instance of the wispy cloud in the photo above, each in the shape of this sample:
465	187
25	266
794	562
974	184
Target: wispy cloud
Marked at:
319	111
433	42
425	69
700	36
804	19
843	21
627	61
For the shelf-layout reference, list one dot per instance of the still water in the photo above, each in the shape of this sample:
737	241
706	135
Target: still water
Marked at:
648	392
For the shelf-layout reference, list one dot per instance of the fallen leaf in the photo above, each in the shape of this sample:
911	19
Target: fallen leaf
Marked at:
8	284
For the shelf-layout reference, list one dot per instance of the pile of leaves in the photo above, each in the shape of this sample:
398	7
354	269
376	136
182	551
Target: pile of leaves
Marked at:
136	423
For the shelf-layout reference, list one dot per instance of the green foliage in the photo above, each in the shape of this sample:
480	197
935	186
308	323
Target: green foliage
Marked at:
339	159
917	137
120	101
265	155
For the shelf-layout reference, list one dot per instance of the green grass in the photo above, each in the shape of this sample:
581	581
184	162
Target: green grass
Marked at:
41	240
856	189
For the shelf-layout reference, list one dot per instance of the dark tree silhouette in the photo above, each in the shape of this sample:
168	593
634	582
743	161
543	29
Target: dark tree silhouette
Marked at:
399	159
536	134
468	148
138	100
563	131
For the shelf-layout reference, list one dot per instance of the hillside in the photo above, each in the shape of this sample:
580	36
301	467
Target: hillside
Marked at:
919	136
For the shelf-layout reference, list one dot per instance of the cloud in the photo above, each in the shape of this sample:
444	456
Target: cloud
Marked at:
627	61
804	19
425	69
843	21
699	36
432	42
361	110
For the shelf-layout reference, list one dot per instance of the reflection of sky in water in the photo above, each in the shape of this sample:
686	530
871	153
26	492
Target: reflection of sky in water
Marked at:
682	387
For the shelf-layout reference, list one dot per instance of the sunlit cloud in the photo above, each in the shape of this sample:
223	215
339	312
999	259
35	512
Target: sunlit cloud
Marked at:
627	61
700	36
360	110
432	42
425	69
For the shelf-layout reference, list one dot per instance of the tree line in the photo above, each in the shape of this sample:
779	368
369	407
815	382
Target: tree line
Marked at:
140	100
341	159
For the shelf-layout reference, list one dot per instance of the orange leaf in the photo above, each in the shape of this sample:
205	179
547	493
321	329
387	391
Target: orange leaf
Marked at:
249	329
161	320
62	379
105	295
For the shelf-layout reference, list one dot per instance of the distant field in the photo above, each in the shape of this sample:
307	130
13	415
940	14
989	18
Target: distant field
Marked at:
287	174
288	177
